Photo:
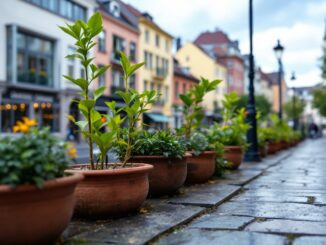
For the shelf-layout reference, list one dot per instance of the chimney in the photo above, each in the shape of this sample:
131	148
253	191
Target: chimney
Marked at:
178	43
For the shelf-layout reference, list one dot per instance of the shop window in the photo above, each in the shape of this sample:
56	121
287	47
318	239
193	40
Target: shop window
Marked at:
11	113
34	58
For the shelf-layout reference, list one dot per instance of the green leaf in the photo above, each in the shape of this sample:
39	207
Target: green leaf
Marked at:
99	92
68	31
95	22
89	104
81	124
133	68
80	82
186	99
100	71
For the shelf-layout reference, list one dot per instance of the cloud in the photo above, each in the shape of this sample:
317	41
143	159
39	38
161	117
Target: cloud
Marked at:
298	24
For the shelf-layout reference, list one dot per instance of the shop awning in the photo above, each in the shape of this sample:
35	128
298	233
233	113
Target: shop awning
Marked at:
158	117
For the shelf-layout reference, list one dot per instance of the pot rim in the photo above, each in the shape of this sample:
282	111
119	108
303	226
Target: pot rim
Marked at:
203	153
54	183
140	167
159	157
232	147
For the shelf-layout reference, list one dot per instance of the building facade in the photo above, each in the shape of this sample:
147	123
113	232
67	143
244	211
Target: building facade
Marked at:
227	52
155	49
183	81
201	64
32	61
273	78
120	34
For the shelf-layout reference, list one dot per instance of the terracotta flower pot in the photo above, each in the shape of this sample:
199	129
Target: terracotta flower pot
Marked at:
234	155
201	167
273	147
111	192
168	175
29	215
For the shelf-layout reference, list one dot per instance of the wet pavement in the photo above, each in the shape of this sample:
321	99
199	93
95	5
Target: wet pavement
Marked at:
284	205
281	200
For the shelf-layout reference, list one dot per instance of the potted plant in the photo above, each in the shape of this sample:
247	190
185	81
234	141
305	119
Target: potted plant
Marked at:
108	189
201	162
36	195
166	152
232	134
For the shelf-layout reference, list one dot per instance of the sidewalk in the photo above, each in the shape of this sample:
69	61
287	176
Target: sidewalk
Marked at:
281	200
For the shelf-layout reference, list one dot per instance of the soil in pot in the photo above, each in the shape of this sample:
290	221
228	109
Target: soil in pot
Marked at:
234	155
111	192
201	167
168	175
29	215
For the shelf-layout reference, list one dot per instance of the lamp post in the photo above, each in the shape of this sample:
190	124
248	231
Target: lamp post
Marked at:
252	154
278	49
294	118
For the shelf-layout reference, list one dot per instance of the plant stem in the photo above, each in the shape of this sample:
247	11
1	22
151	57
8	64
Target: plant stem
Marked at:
90	140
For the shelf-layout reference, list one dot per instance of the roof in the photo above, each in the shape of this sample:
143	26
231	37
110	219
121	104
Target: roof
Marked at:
144	16
182	71
212	38
273	77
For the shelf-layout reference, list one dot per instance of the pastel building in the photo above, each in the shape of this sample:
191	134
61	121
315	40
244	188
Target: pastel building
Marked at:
32	61
202	64
120	34
183	81
155	49
226	51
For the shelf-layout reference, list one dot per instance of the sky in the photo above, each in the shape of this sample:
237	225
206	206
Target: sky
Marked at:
299	24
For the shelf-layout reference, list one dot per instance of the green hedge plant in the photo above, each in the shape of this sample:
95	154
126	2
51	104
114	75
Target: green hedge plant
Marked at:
32	158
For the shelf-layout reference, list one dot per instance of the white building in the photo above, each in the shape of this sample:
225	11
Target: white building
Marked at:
32	61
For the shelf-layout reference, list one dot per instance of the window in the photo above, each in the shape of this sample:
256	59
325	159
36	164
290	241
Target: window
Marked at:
118	45
167	46
132	81
101	79
71	63
132	51
65	8
34	60
176	89
11	113
102	41
157	40
117	80
184	88
148	60
47	115
145	85
152	86
147	36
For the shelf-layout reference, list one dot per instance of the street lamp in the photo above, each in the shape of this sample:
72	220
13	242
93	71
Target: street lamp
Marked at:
278	49
293	78
252	151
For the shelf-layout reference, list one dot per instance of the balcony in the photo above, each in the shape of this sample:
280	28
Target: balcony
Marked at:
159	73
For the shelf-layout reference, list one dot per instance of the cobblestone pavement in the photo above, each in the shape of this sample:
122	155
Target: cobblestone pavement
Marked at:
281	200
285	205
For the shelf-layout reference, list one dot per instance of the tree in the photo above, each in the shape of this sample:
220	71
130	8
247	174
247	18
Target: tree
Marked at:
319	101
262	104
294	108
323	65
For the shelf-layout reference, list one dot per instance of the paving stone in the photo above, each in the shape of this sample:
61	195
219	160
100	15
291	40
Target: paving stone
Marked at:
156	218
294	211
289	227
310	240
211	221
241	177
205	195
209	237
274	198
